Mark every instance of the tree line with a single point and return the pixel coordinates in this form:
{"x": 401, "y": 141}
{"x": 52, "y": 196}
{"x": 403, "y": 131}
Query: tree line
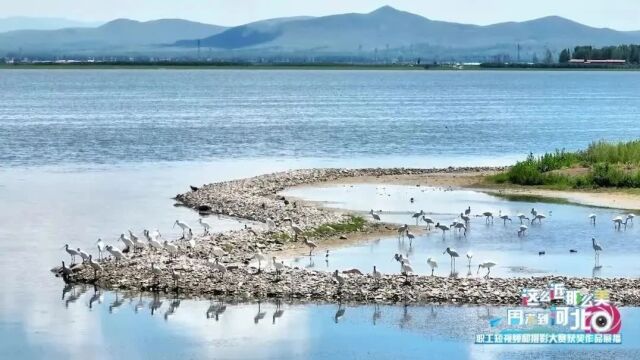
{"x": 630, "y": 53}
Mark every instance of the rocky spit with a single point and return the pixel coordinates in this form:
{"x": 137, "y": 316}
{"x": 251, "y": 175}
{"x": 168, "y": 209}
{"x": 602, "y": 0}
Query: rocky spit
{"x": 191, "y": 272}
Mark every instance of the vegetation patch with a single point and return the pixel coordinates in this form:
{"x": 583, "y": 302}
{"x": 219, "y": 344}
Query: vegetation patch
{"x": 353, "y": 224}
{"x": 602, "y": 164}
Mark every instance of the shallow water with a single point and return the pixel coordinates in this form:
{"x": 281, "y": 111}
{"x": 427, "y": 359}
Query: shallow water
{"x": 566, "y": 227}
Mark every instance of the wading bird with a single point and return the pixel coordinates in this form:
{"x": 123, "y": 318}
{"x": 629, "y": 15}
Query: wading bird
{"x": 417, "y": 216}
{"x": 402, "y": 230}
{"x": 596, "y": 249}
{"x": 205, "y": 226}
{"x": 279, "y": 266}
{"x": 338, "y": 278}
{"x": 95, "y": 266}
{"x": 433, "y": 264}
{"x": 260, "y": 257}
{"x": 592, "y": 218}
{"x": 128, "y": 243}
{"x": 296, "y": 229}
{"x": 376, "y": 274}
{"x": 410, "y": 236}
{"x": 172, "y": 249}
{"x": 183, "y": 225}
{"x": 522, "y": 216}
{"x": 469, "y": 256}
{"x": 539, "y": 217}
{"x": 374, "y": 216}
{"x": 617, "y": 222}
{"x": 465, "y": 218}
{"x": 443, "y": 228}
{"x": 504, "y": 218}
{"x": 428, "y": 221}
{"x": 487, "y": 265}
{"x": 468, "y": 211}
{"x": 400, "y": 258}
{"x": 453, "y": 254}
{"x": 83, "y": 255}
{"x": 100, "y": 246}
{"x": 215, "y": 265}
{"x": 522, "y": 229}
{"x": 73, "y": 253}
{"x": 630, "y": 216}
{"x": 310, "y": 244}
{"x": 115, "y": 252}
{"x": 488, "y": 215}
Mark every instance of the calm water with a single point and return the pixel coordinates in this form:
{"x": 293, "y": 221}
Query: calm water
{"x": 87, "y": 154}
{"x": 566, "y": 227}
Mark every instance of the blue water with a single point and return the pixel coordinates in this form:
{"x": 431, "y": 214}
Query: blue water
{"x": 114, "y": 116}
{"x": 87, "y": 154}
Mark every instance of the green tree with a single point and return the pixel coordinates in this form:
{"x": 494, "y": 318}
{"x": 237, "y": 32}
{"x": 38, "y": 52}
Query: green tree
{"x": 565, "y": 56}
{"x": 548, "y": 57}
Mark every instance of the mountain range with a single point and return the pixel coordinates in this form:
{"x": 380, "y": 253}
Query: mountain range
{"x": 383, "y": 32}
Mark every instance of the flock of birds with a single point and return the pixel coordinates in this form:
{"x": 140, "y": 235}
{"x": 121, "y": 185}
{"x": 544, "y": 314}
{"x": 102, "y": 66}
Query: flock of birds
{"x": 461, "y": 225}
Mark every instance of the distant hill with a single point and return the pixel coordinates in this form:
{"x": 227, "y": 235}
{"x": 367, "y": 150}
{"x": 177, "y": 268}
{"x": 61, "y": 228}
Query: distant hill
{"x": 36, "y": 23}
{"x": 388, "y": 28}
{"x": 385, "y": 32}
{"x": 116, "y": 35}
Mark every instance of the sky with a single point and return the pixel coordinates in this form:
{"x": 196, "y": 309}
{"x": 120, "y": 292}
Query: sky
{"x": 616, "y": 14}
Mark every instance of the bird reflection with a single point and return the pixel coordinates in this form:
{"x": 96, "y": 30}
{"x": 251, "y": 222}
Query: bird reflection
{"x": 597, "y": 270}
{"x": 97, "y": 296}
{"x": 469, "y": 274}
{"x": 339, "y": 314}
{"x": 139, "y": 305}
{"x": 155, "y": 304}
{"x": 115, "y": 304}
{"x": 66, "y": 289}
{"x": 376, "y": 314}
{"x": 278, "y": 313}
{"x": 453, "y": 274}
{"x": 260, "y": 315}
{"x": 173, "y": 305}
{"x": 75, "y": 295}
{"x": 215, "y": 310}
{"x": 404, "y": 320}
{"x": 433, "y": 312}
{"x": 311, "y": 264}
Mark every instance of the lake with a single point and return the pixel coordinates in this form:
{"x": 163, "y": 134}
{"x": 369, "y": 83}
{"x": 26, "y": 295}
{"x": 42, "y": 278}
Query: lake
{"x": 92, "y": 153}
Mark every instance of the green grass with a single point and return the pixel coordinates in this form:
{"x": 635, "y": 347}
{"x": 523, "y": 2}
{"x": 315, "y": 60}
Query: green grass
{"x": 353, "y": 224}
{"x": 608, "y": 165}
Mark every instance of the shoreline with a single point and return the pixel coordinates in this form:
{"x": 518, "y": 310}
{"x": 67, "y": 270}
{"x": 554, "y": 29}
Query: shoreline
{"x": 257, "y": 199}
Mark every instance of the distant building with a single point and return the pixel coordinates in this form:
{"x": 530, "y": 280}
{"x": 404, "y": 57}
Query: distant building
{"x": 597, "y": 62}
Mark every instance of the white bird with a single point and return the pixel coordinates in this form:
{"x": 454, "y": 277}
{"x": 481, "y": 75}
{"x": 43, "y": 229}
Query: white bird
{"x": 488, "y": 215}
{"x": 376, "y": 274}
{"x": 417, "y": 216}
{"x": 443, "y": 228}
{"x": 406, "y": 270}
{"x": 617, "y": 222}
{"x": 339, "y": 278}
{"x": 522, "y": 229}
{"x": 175, "y": 276}
{"x": 630, "y": 216}
{"x": 133, "y": 237}
{"x": 128, "y": 243}
{"x": 191, "y": 242}
{"x": 522, "y": 216}
{"x": 504, "y": 218}
{"x": 487, "y": 265}
{"x": 260, "y": 257}
{"x": 271, "y": 225}
{"x": 205, "y": 225}
{"x": 137, "y": 243}
{"x": 100, "y": 246}
{"x": 215, "y": 265}
{"x": 592, "y": 218}
{"x": 115, "y": 252}
{"x": 171, "y": 248}
{"x": 279, "y": 266}
{"x": 296, "y": 229}
{"x": 428, "y": 221}
{"x": 183, "y": 225}
{"x": 469, "y": 256}
{"x": 71, "y": 252}
{"x": 596, "y": 248}
{"x": 453, "y": 254}
{"x": 539, "y": 217}
{"x": 83, "y": 255}
{"x": 310, "y": 244}
{"x": 96, "y": 267}
{"x": 432, "y": 263}
{"x": 153, "y": 242}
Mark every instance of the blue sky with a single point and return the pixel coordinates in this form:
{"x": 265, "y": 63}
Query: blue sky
{"x": 617, "y": 14}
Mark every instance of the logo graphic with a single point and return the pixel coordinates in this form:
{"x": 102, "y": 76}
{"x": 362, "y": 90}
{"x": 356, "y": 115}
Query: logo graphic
{"x": 557, "y": 315}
